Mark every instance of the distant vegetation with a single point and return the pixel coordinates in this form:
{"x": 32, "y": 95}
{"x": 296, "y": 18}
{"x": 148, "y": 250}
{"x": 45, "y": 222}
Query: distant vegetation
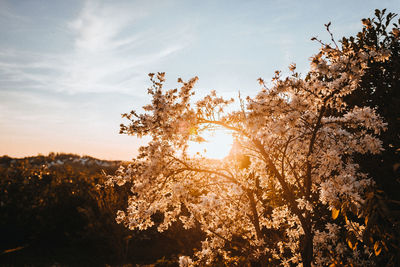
{"x": 53, "y": 210}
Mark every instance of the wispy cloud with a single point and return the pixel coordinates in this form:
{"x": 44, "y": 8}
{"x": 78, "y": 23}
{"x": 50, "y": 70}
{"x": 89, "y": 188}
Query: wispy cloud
{"x": 97, "y": 27}
{"x": 111, "y": 50}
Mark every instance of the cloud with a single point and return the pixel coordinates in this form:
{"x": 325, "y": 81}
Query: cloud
{"x": 98, "y": 26}
{"x": 112, "y": 47}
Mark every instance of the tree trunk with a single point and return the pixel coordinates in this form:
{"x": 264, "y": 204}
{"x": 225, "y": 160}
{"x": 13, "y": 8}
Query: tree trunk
{"x": 306, "y": 245}
{"x": 256, "y": 223}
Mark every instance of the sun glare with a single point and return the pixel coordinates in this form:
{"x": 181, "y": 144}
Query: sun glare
{"x": 217, "y": 144}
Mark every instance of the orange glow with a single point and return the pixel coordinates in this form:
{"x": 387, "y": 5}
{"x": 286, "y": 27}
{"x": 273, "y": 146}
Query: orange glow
{"x": 118, "y": 147}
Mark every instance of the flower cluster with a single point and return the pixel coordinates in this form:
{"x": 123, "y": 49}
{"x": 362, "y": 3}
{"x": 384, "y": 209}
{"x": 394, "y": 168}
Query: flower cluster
{"x": 298, "y": 138}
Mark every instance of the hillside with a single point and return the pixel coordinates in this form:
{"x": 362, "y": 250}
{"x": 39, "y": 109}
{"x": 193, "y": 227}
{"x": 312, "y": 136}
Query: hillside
{"x": 54, "y": 210}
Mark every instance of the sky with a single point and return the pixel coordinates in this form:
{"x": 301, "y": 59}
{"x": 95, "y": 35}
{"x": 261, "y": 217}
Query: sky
{"x": 69, "y": 69}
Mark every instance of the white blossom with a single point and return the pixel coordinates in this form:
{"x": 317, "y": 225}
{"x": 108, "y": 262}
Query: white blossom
{"x": 299, "y": 137}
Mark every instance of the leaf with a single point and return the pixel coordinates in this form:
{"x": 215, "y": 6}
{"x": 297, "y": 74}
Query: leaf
{"x": 244, "y": 162}
{"x": 352, "y": 240}
{"x": 353, "y": 246}
{"x": 377, "y": 248}
{"x": 335, "y": 213}
{"x": 349, "y": 243}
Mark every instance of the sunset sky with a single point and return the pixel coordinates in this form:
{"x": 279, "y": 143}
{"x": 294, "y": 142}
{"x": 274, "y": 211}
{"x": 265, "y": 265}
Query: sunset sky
{"x": 68, "y": 69}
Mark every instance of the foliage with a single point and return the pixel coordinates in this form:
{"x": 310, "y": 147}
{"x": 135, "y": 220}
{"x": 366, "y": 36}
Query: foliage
{"x": 44, "y": 200}
{"x": 275, "y": 199}
{"x": 53, "y": 211}
{"x": 380, "y": 89}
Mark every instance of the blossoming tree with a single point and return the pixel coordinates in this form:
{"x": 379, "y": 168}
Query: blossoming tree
{"x": 276, "y": 198}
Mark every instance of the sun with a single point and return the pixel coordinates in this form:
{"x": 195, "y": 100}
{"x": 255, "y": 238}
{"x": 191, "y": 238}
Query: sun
{"x": 217, "y": 144}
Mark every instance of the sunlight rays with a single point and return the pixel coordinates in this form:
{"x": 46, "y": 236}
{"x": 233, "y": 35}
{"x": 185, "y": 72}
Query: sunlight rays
{"x": 217, "y": 145}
